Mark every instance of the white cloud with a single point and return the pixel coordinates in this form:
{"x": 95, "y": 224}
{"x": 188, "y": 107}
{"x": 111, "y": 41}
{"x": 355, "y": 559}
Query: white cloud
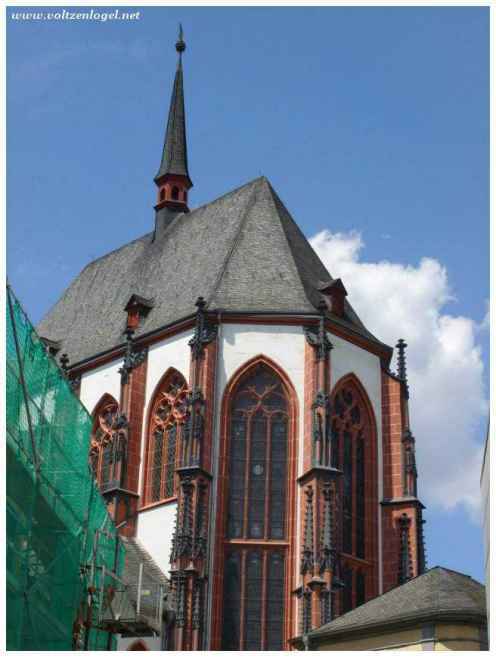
{"x": 445, "y": 368}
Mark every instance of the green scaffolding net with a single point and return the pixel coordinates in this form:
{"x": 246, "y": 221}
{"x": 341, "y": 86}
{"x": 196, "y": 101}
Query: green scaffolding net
{"x": 61, "y": 541}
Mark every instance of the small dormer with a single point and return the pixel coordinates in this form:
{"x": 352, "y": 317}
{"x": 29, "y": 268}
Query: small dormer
{"x": 137, "y": 309}
{"x": 334, "y": 295}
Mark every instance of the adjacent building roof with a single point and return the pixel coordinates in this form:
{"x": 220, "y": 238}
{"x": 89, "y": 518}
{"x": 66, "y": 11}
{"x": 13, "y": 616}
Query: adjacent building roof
{"x": 152, "y": 588}
{"x": 241, "y": 252}
{"x": 438, "y": 594}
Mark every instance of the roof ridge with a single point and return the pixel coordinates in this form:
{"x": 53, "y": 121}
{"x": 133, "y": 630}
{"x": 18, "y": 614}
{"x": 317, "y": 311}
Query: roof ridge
{"x": 363, "y": 617}
{"x": 119, "y": 248}
{"x": 274, "y": 198}
{"x": 150, "y": 233}
{"x": 227, "y": 194}
{"x": 234, "y": 244}
{"x": 353, "y": 317}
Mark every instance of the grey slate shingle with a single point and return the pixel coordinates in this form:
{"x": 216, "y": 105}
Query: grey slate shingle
{"x": 241, "y": 252}
{"x": 438, "y": 593}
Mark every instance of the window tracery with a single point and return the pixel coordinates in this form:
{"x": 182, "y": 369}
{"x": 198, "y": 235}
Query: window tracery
{"x": 168, "y": 415}
{"x": 107, "y": 442}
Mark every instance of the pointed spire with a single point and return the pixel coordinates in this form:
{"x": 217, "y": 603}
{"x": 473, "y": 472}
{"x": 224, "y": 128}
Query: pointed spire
{"x": 173, "y": 178}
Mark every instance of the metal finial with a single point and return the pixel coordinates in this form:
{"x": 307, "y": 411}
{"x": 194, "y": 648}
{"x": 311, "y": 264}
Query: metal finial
{"x": 180, "y": 45}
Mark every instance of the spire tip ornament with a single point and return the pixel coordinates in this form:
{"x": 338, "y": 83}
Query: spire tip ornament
{"x": 180, "y": 44}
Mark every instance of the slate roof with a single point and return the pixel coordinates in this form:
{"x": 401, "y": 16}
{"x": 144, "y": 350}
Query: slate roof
{"x": 437, "y": 594}
{"x": 241, "y": 252}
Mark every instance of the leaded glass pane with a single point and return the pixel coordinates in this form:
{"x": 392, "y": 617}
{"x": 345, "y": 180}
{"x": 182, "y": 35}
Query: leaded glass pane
{"x": 258, "y": 475}
{"x": 156, "y": 471}
{"x": 360, "y": 500}
{"x": 106, "y": 463}
{"x": 360, "y": 588}
{"x": 348, "y": 494}
{"x": 335, "y": 445}
{"x": 275, "y": 602}
{"x": 237, "y": 466}
{"x": 278, "y": 457}
{"x": 232, "y": 603}
{"x": 170, "y": 464}
{"x": 348, "y": 589}
{"x": 253, "y": 602}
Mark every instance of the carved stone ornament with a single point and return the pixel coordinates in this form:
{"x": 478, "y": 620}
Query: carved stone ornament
{"x": 205, "y": 332}
{"x": 132, "y": 358}
{"x": 317, "y": 337}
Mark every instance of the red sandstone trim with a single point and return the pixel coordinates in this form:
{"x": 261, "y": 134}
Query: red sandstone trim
{"x": 384, "y": 353}
{"x": 153, "y": 505}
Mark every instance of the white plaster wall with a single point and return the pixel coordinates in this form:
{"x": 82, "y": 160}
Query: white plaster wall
{"x": 155, "y": 530}
{"x": 104, "y": 379}
{"x": 345, "y": 359}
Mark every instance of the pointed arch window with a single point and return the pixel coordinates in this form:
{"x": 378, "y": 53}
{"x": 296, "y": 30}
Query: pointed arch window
{"x": 255, "y": 540}
{"x": 105, "y": 447}
{"x": 167, "y": 417}
{"x": 353, "y": 438}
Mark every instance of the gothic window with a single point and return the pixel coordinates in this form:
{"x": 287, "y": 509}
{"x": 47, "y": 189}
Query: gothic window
{"x": 354, "y": 454}
{"x": 256, "y": 513}
{"x": 168, "y": 414}
{"x": 175, "y": 193}
{"x": 258, "y": 458}
{"x": 102, "y": 445}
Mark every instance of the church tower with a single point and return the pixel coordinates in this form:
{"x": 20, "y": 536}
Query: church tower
{"x": 249, "y": 431}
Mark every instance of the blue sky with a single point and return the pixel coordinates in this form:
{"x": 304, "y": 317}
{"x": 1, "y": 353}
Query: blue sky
{"x": 366, "y": 119}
